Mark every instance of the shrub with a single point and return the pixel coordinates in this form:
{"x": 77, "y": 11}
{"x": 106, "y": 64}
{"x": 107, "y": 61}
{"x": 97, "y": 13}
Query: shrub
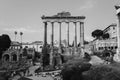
{"x": 72, "y": 70}
{"x": 103, "y": 72}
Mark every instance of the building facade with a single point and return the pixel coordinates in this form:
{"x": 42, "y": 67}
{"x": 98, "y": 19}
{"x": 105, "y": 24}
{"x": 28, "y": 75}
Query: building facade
{"x": 14, "y": 53}
{"x": 112, "y": 30}
{"x": 37, "y": 45}
{"x": 99, "y": 45}
{"x": 17, "y": 51}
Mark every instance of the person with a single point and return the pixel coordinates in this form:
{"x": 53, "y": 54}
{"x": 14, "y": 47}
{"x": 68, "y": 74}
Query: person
{"x": 87, "y": 56}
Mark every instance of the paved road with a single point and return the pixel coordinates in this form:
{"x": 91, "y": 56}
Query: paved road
{"x": 38, "y": 77}
{"x": 95, "y": 60}
{"x": 32, "y": 69}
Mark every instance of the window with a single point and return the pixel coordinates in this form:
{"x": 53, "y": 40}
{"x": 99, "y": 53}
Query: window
{"x": 115, "y": 47}
{"x": 100, "y": 48}
{"x": 111, "y": 47}
{"x": 113, "y": 28}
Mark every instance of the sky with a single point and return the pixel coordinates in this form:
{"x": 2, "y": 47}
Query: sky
{"x": 25, "y": 16}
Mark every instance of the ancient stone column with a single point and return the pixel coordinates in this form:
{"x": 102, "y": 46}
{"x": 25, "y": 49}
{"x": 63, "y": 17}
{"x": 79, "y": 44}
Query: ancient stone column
{"x": 67, "y": 48}
{"x": 44, "y": 49}
{"x": 52, "y": 44}
{"x": 117, "y": 56}
{"x": 45, "y": 33}
{"x": 60, "y": 37}
{"x": 75, "y": 34}
{"x": 75, "y": 41}
{"x": 68, "y": 34}
{"x": 82, "y": 38}
{"x": 52, "y": 36}
{"x": 80, "y": 34}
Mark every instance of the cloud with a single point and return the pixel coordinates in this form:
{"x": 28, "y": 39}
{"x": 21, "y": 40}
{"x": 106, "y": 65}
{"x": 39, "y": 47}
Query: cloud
{"x": 4, "y": 24}
{"x": 21, "y": 29}
{"x": 89, "y": 4}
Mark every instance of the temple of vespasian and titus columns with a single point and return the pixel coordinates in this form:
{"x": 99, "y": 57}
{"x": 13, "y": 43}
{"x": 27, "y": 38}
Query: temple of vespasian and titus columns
{"x": 67, "y": 18}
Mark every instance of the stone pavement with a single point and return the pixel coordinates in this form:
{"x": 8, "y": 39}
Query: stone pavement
{"x": 32, "y": 69}
{"x": 37, "y": 77}
{"x": 40, "y": 77}
{"x": 95, "y": 60}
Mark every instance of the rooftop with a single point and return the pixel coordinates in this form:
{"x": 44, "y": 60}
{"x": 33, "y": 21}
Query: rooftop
{"x": 63, "y": 17}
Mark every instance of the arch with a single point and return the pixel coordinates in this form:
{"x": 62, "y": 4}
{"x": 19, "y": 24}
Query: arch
{"x": 6, "y": 57}
{"x": 14, "y": 57}
{"x": 107, "y": 53}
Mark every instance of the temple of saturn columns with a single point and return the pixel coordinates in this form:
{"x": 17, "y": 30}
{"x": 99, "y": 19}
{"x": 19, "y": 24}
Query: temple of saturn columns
{"x": 65, "y": 17}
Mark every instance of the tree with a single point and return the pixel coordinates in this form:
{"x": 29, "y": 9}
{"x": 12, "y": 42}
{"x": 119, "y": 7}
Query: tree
{"x": 106, "y": 36}
{"x": 97, "y": 33}
{"x": 15, "y": 34}
{"x": 103, "y": 72}
{"x": 21, "y": 33}
{"x": 5, "y": 43}
{"x": 73, "y": 69}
